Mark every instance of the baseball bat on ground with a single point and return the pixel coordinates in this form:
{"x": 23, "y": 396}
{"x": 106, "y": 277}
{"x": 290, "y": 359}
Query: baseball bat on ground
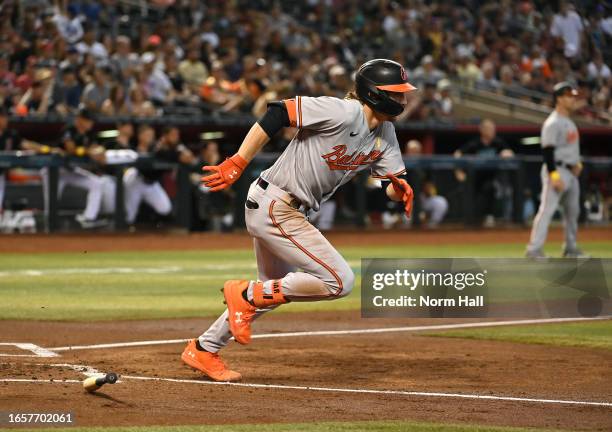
{"x": 92, "y": 384}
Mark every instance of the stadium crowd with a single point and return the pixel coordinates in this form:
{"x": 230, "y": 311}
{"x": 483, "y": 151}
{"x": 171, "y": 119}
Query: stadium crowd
{"x": 188, "y": 56}
{"x": 133, "y": 60}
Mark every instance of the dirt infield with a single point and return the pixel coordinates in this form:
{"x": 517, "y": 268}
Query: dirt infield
{"x": 346, "y": 377}
{"x": 154, "y": 241}
{"x": 387, "y": 361}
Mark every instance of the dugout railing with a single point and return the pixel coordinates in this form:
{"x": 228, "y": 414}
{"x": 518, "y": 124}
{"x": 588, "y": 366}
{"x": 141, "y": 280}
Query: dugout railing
{"x": 521, "y": 172}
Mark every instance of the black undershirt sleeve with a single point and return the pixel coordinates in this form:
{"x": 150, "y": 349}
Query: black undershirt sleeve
{"x": 275, "y": 118}
{"x": 549, "y": 158}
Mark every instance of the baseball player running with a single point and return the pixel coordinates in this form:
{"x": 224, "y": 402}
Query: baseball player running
{"x": 560, "y": 172}
{"x": 337, "y": 138}
{"x": 79, "y": 140}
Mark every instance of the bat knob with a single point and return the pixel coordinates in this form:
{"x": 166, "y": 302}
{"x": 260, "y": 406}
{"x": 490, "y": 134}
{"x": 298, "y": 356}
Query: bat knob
{"x": 111, "y": 378}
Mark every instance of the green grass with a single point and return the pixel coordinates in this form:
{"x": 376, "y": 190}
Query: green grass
{"x": 382, "y": 426}
{"x": 597, "y": 334}
{"x": 189, "y": 289}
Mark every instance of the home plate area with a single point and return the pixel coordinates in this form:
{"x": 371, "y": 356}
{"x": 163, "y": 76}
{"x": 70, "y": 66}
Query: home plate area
{"x": 317, "y": 375}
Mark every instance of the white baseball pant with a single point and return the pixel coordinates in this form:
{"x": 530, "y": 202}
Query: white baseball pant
{"x": 569, "y": 199}
{"x": 80, "y": 178}
{"x": 137, "y": 190}
{"x": 435, "y": 207}
{"x": 284, "y": 241}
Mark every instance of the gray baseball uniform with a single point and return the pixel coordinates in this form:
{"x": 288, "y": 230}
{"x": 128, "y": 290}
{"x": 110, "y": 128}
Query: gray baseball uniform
{"x": 561, "y": 133}
{"x": 333, "y": 144}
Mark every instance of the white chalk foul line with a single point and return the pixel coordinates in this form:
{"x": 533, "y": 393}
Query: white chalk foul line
{"x": 89, "y": 371}
{"x": 52, "y": 381}
{"x": 35, "y": 349}
{"x": 334, "y": 390}
{"x": 378, "y": 392}
{"x": 93, "y": 270}
{"x": 342, "y": 332}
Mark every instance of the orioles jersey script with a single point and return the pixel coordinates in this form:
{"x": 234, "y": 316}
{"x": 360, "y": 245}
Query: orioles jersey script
{"x": 332, "y": 145}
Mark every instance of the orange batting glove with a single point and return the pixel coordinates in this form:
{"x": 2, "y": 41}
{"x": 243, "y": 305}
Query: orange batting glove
{"x": 224, "y": 174}
{"x": 401, "y": 187}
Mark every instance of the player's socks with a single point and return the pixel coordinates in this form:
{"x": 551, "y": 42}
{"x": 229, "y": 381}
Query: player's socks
{"x": 198, "y": 346}
{"x": 245, "y": 296}
{"x": 275, "y": 296}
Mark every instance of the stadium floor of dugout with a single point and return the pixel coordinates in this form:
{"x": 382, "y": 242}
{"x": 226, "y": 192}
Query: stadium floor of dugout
{"x": 391, "y": 375}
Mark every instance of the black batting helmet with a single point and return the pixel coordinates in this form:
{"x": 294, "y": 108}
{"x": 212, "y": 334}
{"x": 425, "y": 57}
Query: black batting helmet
{"x": 377, "y": 77}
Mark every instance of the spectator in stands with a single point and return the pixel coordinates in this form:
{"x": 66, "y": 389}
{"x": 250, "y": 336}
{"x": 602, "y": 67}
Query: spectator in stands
{"x": 480, "y": 45}
{"x": 536, "y": 62}
{"x": 67, "y": 92}
{"x": 71, "y": 59}
{"x": 219, "y": 91}
{"x": 427, "y": 71}
{"x": 117, "y": 102}
{"x": 171, "y": 68}
{"x": 68, "y": 23}
{"x": 467, "y": 70}
{"x": 27, "y": 77}
{"x": 488, "y": 144}
{"x": 598, "y": 71}
{"x": 509, "y": 86}
{"x": 192, "y": 70}
{"x": 89, "y": 45}
{"x": 567, "y": 26}
{"x": 97, "y": 91}
{"x": 443, "y": 96}
{"x": 6, "y": 95}
{"x": 487, "y": 81}
{"x": 429, "y": 107}
{"x": 123, "y": 60}
{"x": 37, "y": 100}
{"x": 138, "y": 105}
{"x": 157, "y": 85}
{"x": 6, "y": 75}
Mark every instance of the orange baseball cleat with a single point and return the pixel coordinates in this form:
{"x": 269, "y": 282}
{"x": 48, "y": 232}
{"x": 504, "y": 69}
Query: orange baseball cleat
{"x": 241, "y": 312}
{"x": 208, "y": 363}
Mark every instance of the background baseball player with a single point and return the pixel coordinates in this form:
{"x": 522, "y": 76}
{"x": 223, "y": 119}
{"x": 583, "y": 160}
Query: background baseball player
{"x": 560, "y": 172}
{"x": 78, "y": 140}
{"x": 336, "y": 139}
{"x": 144, "y": 184}
{"x": 10, "y": 140}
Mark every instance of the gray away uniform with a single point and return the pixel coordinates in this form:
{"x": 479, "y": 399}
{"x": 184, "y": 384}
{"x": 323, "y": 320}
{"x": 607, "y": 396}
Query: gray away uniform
{"x": 561, "y": 133}
{"x": 333, "y": 144}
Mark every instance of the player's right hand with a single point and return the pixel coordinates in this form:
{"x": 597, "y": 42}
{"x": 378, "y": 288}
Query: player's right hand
{"x": 224, "y": 174}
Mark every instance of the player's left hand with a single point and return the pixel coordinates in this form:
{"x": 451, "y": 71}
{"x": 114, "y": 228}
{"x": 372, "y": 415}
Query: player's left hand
{"x": 577, "y": 169}
{"x": 402, "y": 188}
{"x": 224, "y": 174}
